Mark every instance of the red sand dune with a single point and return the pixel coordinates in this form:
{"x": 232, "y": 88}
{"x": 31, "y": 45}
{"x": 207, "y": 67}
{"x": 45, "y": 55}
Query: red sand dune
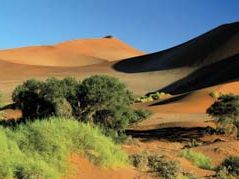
{"x": 198, "y": 101}
{"x": 71, "y": 53}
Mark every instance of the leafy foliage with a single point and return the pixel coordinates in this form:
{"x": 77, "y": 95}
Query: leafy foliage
{"x": 101, "y": 92}
{"x": 105, "y": 101}
{"x": 38, "y": 99}
{"x": 99, "y": 99}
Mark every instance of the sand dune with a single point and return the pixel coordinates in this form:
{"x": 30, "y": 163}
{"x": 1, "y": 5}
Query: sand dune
{"x": 213, "y": 46}
{"x": 71, "y": 53}
{"x": 197, "y": 101}
{"x": 208, "y": 60}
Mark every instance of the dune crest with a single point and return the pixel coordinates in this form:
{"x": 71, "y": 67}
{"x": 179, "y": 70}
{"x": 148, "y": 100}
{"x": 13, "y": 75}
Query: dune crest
{"x": 71, "y": 53}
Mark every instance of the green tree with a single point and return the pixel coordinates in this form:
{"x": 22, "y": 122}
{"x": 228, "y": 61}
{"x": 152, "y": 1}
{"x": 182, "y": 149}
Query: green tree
{"x": 101, "y": 92}
{"x": 38, "y": 99}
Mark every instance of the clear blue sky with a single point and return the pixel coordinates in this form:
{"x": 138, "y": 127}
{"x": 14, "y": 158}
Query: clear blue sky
{"x": 149, "y": 25}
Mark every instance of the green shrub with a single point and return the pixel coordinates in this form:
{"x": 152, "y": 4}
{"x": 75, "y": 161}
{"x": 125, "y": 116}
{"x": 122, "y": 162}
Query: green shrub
{"x": 161, "y": 164}
{"x": 101, "y": 92}
{"x": 226, "y": 112}
{"x": 166, "y": 168}
{"x": 150, "y": 97}
{"x": 38, "y": 99}
{"x": 226, "y": 106}
{"x": 197, "y": 159}
{"x": 230, "y": 165}
{"x": 105, "y": 101}
{"x": 40, "y": 149}
{"x": 223, "y": 173}
{"x": 215, "y": 94}
{"x": 140, "y": 161}
{"x": 139, "y": 115}
{"x": 186, "y": 175}
{"x": 193, "y": 143}
{"x": 63, "y": 108}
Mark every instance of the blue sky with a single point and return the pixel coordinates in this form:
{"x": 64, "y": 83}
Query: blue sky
{"x": 149, "y": 25}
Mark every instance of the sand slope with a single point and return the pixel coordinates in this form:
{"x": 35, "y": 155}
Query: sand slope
{"x": 195, "y": 102}
{"x": 213, "y": 46}
{"x": 71, "y": 53}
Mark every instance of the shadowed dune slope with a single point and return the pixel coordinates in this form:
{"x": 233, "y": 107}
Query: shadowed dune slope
{"x": 213, "y": 46}
{"x": 213, "y": 74}
{"x": 71, "y": 53}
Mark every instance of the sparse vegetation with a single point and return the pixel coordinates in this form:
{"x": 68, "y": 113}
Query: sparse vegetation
{"x": 193, "y": 143}
{"x": 197, "y": 158}
{"x": 40, "y": 149}
{"x": 151, "y": 97}
{"x": 215, "y": 94}
{"x": 229, "y": 167}
{"x": 140, "y": 161}
{"x": 140, "y": 115}
{"x": 166, "y": 168}
{"x": 160, "y": 164}
{"x": 186, "y": 175}
{"x": 226, "y": 112}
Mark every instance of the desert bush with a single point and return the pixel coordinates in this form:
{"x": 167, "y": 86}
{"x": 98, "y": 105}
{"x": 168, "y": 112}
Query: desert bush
{"x": 104, "y": 100}
{"x": 151, "y": 97}
{"x": 186, "y": 175}
{"x": 63, "y": 108}
{"x": 161, "y": 164}
{"x": 139, "y": 115}
{"x": 38, "y": 99}
{"x": 197, "y": 158}
{"x": 140, "y": 161}
{"x": 166, "y": 168}
{"x": 230, "y": 166}
{"x": 28, "y": 97}
{"x": 193, "y": 143}
{"x": 101, "y": 92}
{"x": 215, "y": 94}
{"x": 226, "y": 106}
{"x": 114, "y": 121}
{"x": 40, "y": 149}
{"x": 223, "y": 173}
{"x": 226, "y": 112}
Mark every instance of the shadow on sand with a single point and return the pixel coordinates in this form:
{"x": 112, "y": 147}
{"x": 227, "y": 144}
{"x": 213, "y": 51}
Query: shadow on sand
{"x": 173, "y": 134}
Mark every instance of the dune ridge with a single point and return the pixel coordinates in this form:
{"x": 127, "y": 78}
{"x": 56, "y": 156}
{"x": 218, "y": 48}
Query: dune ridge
{"x": 71, "y": 53}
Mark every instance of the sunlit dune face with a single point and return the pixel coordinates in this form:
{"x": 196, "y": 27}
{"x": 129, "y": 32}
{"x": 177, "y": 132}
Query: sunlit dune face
{"x": 71, "y": 53}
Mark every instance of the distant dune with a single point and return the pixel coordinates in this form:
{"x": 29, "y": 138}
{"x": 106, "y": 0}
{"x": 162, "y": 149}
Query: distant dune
{"x": 71, "y": 53}
{"x": 213, "y": 46}
{"x": 210, "y": 59}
